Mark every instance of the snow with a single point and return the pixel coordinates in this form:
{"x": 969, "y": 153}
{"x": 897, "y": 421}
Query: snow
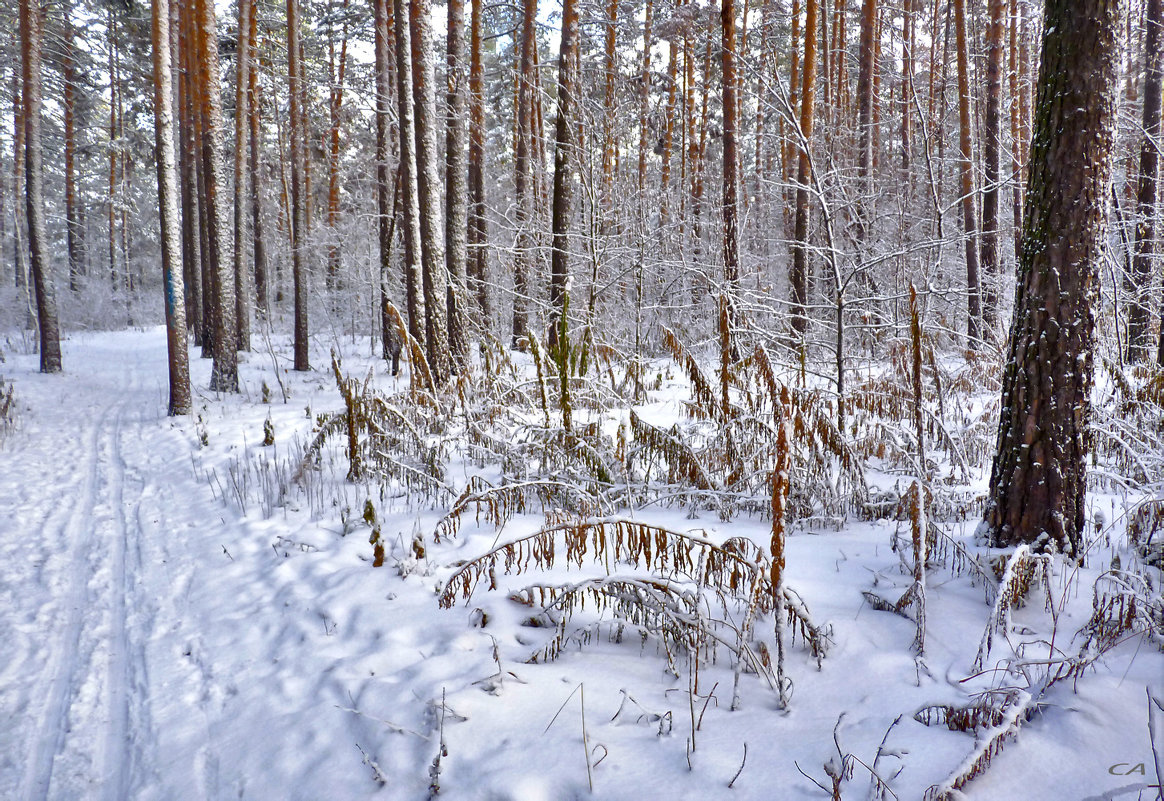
{"x": 159, "y": 642}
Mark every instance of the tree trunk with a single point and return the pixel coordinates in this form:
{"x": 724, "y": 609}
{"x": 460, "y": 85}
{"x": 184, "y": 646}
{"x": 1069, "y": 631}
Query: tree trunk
{"x": 72, "y": 210}
{"x": 187, "y": 165}
{"x": 456, "y": 182}
{"x": 168, "y": 213}
{"x": 254, "y": 139}
{"x": 1016, "y": 137}
{"x": 31, "y": 27}
{"x": 299, "y": 190}
{"x": 523, "y": 178}
{"x": 563, "y": 179}
{"x": 1138, "y": 309}
{"x": 478, "y": 230}
{"x": 242, "y": 310}
{"x": 731, "y": 157}
{"x": 410, "y": 197}
{"x": 966, "y": 171}
{"x": 865, "y": 92}
{"x": 798, "y": 275}
{"x": 644, "y": 98}
{"x": 386, "y": 193}
{"x": 991, "y": 152}
{"x": 1038, "y": 479}
{"x": 336, "y": 69}
{"x": 224, "y": 373}
{"x": 434, "y": 274}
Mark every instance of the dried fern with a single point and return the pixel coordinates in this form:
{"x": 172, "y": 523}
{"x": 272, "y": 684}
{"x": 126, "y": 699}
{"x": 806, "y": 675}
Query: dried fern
{"x": 1023, "y": 569}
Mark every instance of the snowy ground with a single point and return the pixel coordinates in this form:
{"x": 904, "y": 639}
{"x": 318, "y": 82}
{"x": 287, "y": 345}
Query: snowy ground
{"x": 159, "y": 642}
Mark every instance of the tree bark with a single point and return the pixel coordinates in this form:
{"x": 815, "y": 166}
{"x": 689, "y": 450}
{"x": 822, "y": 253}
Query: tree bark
{"x": 523, "y": 178}
{"x": 1038, "y": 479}
{"x": 337, "y": 69}
{"x": 242, "y": 312}
{"x": 72, "y": 210}
{"x": 414, "y": 298}
{"x": 179, "y": 368}
{"x": 865, "y": 92}
{"x": 478, "y": 230}
{"x": 434, "y": 274}
{"x": 299, "y": 189}
{"x": 991, "y": 157}
{"x": 254, "y": 139}
{"x": 456, "y": 182}
{"x": 386, "y": 193}
{"x": 224, "y": 372}
{"x": 1145, "y": 248}
{"x": 966, "y": 173}
{"x": 798, "y": 275}
{"x": 731, "y": 157}
{"x": 31, "y": 28}
{"x": 563, "y": 180}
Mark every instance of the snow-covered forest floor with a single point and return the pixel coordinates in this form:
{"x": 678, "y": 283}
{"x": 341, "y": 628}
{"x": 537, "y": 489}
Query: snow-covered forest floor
{"x": 187, "y": 613}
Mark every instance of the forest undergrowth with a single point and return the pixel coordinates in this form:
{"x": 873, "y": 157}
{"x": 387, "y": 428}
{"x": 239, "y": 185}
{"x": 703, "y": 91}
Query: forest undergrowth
{"x": 648, "y": 505}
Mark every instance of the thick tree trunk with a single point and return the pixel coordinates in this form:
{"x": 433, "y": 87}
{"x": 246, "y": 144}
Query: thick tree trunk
{"x": 1038, "y": 480}
{"x": 966, "y": 185}
{"x": 456, "y": 182}
{"x": 798, "y": 274}
{"x": 168, "y": 212}
{"x": 432, "y": 235}
{"x": 300, "y": 192}
{"x": 1141, "y": 278}
{"x": 31, "y": 27}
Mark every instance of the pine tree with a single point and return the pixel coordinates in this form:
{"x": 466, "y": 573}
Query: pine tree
{"x": 1038, "y": 479}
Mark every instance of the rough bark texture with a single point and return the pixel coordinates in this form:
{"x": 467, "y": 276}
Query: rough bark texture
{"x": 563, "y": 179}
{"x": 456, "y": 180}
{"x": 31, "y": 23}
{"x": 798, "y": 275}
{"x": 1039, "y": 475}
{"x": 966, "y": 173}
{"x": 432, "y": 235}
{"x": 1138, "y": 310}
{"x": 168, "y": 212}
{"x": 299, "y": 193}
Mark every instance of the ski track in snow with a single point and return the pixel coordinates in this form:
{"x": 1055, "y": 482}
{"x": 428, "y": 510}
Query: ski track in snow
{"x": 95, "y": 530}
